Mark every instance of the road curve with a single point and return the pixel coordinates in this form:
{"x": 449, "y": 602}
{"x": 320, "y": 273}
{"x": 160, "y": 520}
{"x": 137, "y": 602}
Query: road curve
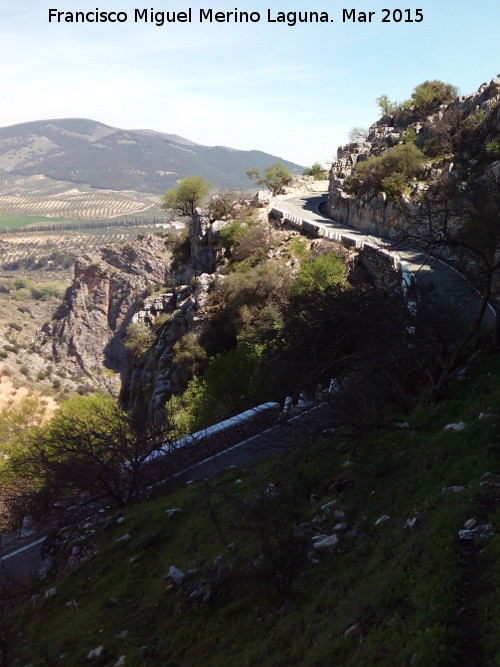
{"x": 446, "y": 284}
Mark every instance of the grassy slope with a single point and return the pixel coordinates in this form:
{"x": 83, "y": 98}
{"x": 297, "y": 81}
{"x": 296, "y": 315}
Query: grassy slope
{"x": 408, "y": 596}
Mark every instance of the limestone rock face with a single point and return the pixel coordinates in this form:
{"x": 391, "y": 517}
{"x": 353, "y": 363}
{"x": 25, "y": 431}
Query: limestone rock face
{"x": 148, "y": 383}
{"x": 86, "y": 334}
{"x": 203, "y": 238}
{"x": 373, "y": 212}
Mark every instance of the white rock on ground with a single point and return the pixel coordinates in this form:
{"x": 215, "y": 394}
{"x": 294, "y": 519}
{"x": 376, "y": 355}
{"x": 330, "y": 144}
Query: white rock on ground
{"x": 458, "y": 426}
{"x": 326, "y": 543}
{"x": 176, "y": 575}
{"x": 477, "y": 533}
{"x": 95, "y": 653}
{"x": 382, "y": 519}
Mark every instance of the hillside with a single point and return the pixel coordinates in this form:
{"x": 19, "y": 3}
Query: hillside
{"x": 89, "y": 153}
{"x": 374, "y": 540}
{"x": 399, "y": 587}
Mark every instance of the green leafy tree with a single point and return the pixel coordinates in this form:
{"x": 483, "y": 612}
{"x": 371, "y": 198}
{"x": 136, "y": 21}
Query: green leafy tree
{"x": 316, "y": 171}
{"x": 89, "y": 451}
{"x": 189, "y": 194}
{"x": 274, "y": 177}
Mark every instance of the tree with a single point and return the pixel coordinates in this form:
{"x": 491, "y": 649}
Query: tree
{"x": 222, "y": 204}
{"x": 316, "y": 171}
{"x": 358, "y": 134}
{"x": 189, "y": 194}
{"x": 274, "y": 177}
{"x": 89, "y": 452}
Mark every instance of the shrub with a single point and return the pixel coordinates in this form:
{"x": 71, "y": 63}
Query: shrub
{"x": 139, "y": 339}
{"x": 393, "y": 186}
{"x": 228, "y": 236}
{"x": 398, "y": 164}
{"x": 189, "y": 356}
{"x": 319, "y": 275}
{"x": 387, "y": 107}
{"x": 493, "y": 150}
{"x": 430, "y": 94}
{"x": 236, "y": 304}
{"x": 473, "y": 122}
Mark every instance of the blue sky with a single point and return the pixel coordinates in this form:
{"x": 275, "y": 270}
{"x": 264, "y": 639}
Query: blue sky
{"x": 291, "y": 91}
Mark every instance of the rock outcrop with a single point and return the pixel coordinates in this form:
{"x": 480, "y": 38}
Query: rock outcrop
{"x": 87, "y": 332}
{"x": 149, "y": 381}
{"x": 374, "y": 212}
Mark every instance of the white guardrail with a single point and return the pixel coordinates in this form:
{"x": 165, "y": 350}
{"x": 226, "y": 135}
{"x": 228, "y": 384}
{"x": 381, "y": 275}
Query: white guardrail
{"x": 350, "y": 240}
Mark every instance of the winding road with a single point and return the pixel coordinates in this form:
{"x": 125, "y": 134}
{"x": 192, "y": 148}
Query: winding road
{"x": 20, "y": 557}
{"x": 447, "y": 286}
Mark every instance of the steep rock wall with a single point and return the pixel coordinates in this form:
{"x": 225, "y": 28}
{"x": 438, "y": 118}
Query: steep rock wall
{"x": 86, "y": 333}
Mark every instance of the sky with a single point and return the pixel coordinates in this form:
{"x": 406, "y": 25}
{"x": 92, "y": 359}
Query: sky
{"x": 293, "y": 91}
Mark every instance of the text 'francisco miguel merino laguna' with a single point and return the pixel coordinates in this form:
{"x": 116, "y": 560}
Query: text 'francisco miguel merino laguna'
{"x": 160, "y": 18}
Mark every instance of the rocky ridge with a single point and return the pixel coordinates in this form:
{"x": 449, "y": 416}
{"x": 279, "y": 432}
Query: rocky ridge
{"x": 375, "y": 212}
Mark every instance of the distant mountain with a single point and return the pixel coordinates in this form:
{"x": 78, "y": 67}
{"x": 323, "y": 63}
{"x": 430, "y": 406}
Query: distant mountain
{"x": 87, "y": 152}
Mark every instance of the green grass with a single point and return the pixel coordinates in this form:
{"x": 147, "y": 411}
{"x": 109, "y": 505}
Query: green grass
{"x": 8, "y": 221}
{"x": 400, "y": 591}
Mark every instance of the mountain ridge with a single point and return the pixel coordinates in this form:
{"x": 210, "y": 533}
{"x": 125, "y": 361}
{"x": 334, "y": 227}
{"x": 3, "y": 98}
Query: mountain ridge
{"x": 89, "y": 152}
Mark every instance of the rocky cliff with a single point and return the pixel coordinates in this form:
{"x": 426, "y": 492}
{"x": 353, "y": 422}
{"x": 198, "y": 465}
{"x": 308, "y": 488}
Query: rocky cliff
{"x": 87, "y": 332}
{"x": 464, "y": 127}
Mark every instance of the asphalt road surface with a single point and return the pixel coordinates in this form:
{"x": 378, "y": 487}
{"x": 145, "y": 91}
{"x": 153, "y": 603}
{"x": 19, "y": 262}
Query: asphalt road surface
{"x": 447, "y": 287}
{"x": 20, "y": 558}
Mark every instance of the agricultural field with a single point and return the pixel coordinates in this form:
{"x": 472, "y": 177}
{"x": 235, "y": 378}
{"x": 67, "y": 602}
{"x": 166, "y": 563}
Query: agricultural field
{"x": 43, "y": 198}
{"x": 15, "y": 221}
{"x": 50, "y": 255}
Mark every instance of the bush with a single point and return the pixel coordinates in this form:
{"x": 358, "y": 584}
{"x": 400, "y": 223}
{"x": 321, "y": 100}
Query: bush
{"x": 493, "y": 151}
{"x": 228, "y": 236}
{"x": 395, "y": 167}
{"x": 387, "y": 107}
{"x": 189, "y": 356}
{"x": 237, "y": 304}
{"x": 319, "y": 275}
{"x": 431, "y": 94}
{"x": 233, "y": 382}
{"x": 139, "y": 339}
